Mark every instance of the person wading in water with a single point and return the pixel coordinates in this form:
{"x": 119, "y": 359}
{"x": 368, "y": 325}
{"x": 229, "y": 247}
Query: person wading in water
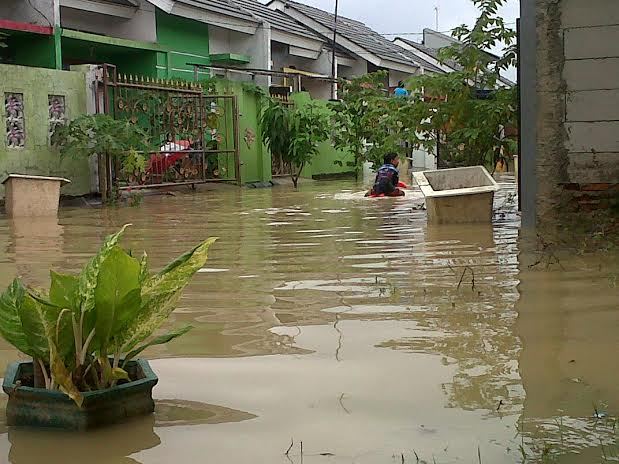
{"x": 387, "y": 181}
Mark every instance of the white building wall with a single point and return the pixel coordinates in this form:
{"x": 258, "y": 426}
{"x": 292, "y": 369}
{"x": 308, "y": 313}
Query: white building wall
{"x": 318, "y": 89}
{"x": 24, "y": 12}
{"x": 591, "y": 50}
{"x": 397, "y": 76}
{"x": 141, "y": 26}
{"x": 358, "y": 68}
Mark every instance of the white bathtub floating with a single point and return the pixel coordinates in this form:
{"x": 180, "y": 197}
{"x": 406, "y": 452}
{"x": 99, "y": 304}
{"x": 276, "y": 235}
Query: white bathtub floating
{"x": 459, "y": 195}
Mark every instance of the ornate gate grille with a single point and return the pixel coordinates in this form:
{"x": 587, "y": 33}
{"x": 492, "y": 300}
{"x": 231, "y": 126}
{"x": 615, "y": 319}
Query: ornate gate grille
{"x": 195, "y": 135}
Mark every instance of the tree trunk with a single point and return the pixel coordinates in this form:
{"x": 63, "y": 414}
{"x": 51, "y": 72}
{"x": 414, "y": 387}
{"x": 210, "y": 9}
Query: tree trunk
{"x": 295, "y": 177}
{"x": 102, "y": 171}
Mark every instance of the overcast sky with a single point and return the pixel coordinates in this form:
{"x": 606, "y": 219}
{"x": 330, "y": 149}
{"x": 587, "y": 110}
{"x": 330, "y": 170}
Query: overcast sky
{"x": 397, "y": 16}
{"x": 408, "y": 18}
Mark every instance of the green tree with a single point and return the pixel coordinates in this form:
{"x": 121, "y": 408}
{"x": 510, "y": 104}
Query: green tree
{"x": 361, "y": 119}
{"x": 467, "y": 110}
{"x": 294, "y": 133}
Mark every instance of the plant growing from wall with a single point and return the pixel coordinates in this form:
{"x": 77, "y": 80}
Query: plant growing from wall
{"x": 294, "y": 133}
{"x": 102, "y": 135}
{"x": 83, "y": 332}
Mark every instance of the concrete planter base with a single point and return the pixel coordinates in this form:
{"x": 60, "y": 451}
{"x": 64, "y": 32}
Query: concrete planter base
{"x": 27, "y": 196}
{"x": 37, "y": 407}
{"x": 458, "y": 196}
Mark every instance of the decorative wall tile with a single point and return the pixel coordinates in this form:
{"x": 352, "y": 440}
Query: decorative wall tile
{"x": 14, "y": 118}
{"x": 57, "y": 113}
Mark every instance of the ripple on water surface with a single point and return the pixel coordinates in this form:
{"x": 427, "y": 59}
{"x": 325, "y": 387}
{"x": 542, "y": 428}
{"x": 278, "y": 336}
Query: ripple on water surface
{"x": 348, "y": 324}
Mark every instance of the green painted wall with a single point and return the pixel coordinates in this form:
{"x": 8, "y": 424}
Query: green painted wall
{"x": 187, "y": 41}
{"x": 37, "y": 157}
{"x": 324, "y": 164}
{"x": 127, "y": 60}
{"x": 29, "y": 50}
{"x": 255, "y": 158}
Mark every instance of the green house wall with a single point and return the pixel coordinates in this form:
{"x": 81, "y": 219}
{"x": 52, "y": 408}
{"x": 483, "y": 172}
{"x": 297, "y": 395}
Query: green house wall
{"x": 26, "y": 49}
{"x": 329, "y": 161}
{"x": 38, "y": 157}
{"x": 187, "y": 42}
{"x": 255, "y": 158}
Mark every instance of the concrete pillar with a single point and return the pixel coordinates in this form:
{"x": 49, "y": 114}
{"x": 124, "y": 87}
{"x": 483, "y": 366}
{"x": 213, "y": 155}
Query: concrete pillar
{"x": 528, "y": 96}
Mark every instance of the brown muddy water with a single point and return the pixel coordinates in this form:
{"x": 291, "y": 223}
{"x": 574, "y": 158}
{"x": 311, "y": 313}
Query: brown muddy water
{"x": 347, "y": 324}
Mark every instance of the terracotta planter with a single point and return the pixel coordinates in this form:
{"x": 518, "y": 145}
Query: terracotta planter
{"x": 36, "y": 407}
{"x": 28, "y": 196}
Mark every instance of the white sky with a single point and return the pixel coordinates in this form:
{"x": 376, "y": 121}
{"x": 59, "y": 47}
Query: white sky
{"x": 397, "y": 16}
{"x": 412, "y": 16}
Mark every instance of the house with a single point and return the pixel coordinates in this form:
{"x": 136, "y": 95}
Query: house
{"x": 359, "y": 49}
{"x": 570, "y": 108}
{"x": 429, "y": 50}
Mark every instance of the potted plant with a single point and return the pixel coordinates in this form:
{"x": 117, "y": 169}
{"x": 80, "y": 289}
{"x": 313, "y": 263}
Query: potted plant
{"x": 84, "y": 337}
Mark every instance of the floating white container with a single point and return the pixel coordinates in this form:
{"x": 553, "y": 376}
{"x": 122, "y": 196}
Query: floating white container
{"x": 459, "y": 195}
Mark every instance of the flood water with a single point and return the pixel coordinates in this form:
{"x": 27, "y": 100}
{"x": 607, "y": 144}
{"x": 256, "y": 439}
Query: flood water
{"x": 348, "y": 325}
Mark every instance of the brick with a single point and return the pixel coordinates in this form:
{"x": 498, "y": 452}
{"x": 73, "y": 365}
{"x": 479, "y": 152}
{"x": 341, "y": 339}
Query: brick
{"x": 593, "y": 105}
{"x": 579, "y": 13}
{"x": 591, "y": 74}
{"x": 593, "y": 137}
{"x": 595, "y": 187}
{"x": 592, "y": 42}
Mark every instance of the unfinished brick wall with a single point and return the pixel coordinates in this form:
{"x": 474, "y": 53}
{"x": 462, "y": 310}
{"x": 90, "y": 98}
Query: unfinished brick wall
{"x": 578, "y": 105}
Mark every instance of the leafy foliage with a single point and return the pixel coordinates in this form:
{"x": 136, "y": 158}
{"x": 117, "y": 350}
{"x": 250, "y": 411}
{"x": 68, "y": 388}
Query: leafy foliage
{"x": 465, "y": 110}
{"x": 101, "y": 134}
{"x": 362, "y": 121}
{"x": 294, "y": 133}
{"x": 87, "y": 323}
{"x": 469, "y": 108}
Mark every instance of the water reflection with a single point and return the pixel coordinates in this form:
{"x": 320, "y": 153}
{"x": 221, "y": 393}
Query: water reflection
{"x": 108, "y": 445}
{"x": 567, "y": 324}
{"x": 35, "y": 246}
{"x": 349, "y": 324}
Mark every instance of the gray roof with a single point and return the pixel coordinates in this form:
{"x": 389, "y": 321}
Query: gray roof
{"x": 434, "y": 53}
{"x": 356, "y": 32}
{"x": 221, "y": 6}
{"x": 276, "y": 19}
{"x": 424, "y": 63}
{"x": 121, "y": 2}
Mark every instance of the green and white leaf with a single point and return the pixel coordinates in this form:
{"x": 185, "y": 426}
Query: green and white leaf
{"x": 63, "y": 290}
{"x": 117, "y": 295}
{"x": 161, "y": 340}
{"x": 10, "y": 323}
{"x": 161, "y": 292}
{"x": 144, "y": 274}
{"x": 89, "y": 276}
{"x": 42, "y": 325}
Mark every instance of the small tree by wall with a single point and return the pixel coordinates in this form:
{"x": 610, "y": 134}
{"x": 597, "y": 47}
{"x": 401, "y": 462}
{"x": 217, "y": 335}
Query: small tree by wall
{"x": 102, "y": 135}
{"x": 361, "y": 119}
{"x": 294, "y": 133}
{"x": 465, "y": 111}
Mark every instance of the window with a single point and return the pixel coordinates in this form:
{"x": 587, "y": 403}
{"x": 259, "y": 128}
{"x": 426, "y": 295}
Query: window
{"x": 14, "y": 114}
{"x": 57, "y": 116}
